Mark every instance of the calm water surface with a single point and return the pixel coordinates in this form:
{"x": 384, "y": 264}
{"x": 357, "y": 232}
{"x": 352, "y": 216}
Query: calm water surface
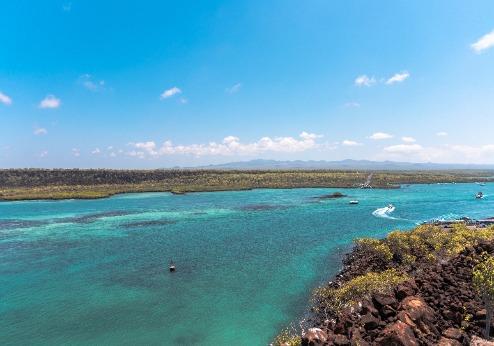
{"x": 95, "y": 271}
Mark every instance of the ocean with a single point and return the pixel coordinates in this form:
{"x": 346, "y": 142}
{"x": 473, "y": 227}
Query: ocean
{"x": 85, "y": 272}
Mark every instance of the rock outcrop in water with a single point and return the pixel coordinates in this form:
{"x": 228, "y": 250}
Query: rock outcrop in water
{"x": 435, "y": 305}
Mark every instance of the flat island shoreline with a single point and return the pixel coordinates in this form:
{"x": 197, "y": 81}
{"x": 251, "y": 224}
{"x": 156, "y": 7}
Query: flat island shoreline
{"x": 59, "y": 184}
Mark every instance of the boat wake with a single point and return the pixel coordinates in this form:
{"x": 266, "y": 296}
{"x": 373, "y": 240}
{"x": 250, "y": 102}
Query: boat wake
{"x": 385, "y": 212}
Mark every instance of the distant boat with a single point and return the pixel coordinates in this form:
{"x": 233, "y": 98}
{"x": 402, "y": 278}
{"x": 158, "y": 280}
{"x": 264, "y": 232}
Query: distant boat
{"x": 480, "y": 184}
{"x": 172, "y": 267}
{"x": 479, "y": 195}
{"x": 353, "y": 202}
{"x": 390, "y": 208}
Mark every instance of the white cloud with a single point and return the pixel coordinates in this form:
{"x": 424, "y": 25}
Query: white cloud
{"x": 407, "y": 139}
{"x": 475, "y": 153}
{"x": 403, "y": 149}
{"x": 6, "y": 100}
{"x": 96, "y": 151}
{"x": 230, "y": 145}
{"x": 365, "y": 80}
{"x": 442, "y": 134}
{"x": 67, "y": 7}
{"x": 39, "y": 131}
{"x": 380, "y": 135}
{"x": 88, "y": 82}
{"x": 170, "y": 92}
{"x": 483, "y": 43}
{"x": 349, "y": 143}
{"x": 50, "y": 101}
{"x": 398, "y": 77}
{"x": 44, "y": 153}
{"x": 234, "y": 89}
{"x": 351, "y": 104}
{"x": 76, "y": 152}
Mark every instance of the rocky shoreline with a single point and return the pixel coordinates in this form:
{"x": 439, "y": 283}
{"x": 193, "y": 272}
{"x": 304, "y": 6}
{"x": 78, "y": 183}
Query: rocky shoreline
{"x": 435, "y": 305}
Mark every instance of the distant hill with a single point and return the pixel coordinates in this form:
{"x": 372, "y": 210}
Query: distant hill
{"x": 343, "y": 165}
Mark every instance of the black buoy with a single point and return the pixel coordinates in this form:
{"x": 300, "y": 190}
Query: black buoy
{"x": 172, "y": 267}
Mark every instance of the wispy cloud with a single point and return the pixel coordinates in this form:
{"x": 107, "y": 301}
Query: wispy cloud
{"x": 170, "y": 92}
{"x": 483, "y": 43}
{"x": 40, "y": 131}
{"x": 230, "y": 145}
{"x": 50, "y": 101}
{"x": 88, "y": 82}
{"x": 44, "y": 153}
{"x": 441, "y": 134}
{"x": 475, "y": 152}
{"x": 365, "y": 80}
{"x": 351, "y": 104}
{"x": 349, "y": 143}
{"x": 408, "y": 139}
{"x": 96, "y": 151}
{"x": 403, "y": 148}
{"x": 67, "y": 7}
{"x": 234, "y": 88}
{"x": 76, "y": 152}
{"x": 380, "y": 136}
{"x": 6, "y": 100}
{"x": 398, "y": 78}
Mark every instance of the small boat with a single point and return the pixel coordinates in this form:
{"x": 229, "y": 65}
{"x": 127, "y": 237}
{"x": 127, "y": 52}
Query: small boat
{"x": 353, "y": 202}
{"x": 172, "y": 267}
{"x": 390, "y": 208}
{"x": 479, "y": 195}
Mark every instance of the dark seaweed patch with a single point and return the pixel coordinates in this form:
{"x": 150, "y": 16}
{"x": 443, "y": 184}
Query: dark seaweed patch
{"x": 12, "y": 224}
{"x": 148, "y": 223}
{"x": 89, "y": 218}
{"x": 261, "y": 207}
{"x": 334, "y": 195}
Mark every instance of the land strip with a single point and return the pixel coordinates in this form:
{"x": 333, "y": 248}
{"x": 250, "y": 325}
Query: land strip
{"x": 27, "y": 184}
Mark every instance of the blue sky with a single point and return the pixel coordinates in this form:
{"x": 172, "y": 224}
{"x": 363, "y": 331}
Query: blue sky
{"x": 163, "y": 83}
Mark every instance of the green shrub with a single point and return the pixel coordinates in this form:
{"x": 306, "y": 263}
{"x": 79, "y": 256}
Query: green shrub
{"x": 431, "y": 242}
{"x": 334, "y": 299}
{"x": 483, "y": 282}
{"x": 375, "y": 248}
{"x": 287, "y": 337}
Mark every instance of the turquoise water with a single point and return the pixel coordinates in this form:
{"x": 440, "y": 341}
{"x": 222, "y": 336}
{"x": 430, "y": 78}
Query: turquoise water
{"x": 85, "y": 272}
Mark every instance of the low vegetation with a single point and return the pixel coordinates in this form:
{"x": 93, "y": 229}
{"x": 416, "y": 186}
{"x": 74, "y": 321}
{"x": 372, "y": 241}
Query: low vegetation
{"x": 287, "y": 338}
{"x": 334, "y": 299}
{"x": 18, "y": 184}
{"x": 426, "y": 242}
{"x": 483, "y": 282}
{"x": 392, "y": 256}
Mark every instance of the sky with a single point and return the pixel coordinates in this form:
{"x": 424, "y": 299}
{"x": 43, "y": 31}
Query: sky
{"x": 151, "y": 84}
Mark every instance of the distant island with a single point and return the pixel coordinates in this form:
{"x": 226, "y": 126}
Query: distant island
{"x": 26, "y": 184}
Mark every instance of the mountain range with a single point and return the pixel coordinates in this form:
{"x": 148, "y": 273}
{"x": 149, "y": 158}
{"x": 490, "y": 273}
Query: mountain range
{"x": 344, "y": 165}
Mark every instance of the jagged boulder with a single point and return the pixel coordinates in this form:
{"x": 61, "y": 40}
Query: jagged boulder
{"x": 453, "y": 333}
{"x": 476, "y": 341}
{"x": 397, "y": 334}
{"x": 448, "y": 342}
{"x": 417, "y": 309}
{"x": 314, "y": 337}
